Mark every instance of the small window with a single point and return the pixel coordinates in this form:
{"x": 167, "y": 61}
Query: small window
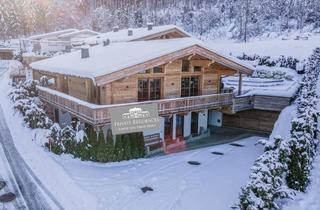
{"x": 158, "y": 69}
{"x": 185, "y": 65}
{"x": 145, "y": 71}
{"x": 197, "y": 68}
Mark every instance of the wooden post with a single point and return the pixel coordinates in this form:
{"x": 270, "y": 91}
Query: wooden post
{"x": 240, "y": 84}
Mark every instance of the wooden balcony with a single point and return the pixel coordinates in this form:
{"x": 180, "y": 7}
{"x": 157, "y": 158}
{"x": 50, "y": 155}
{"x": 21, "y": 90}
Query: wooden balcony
{"x": 100, "y": 114}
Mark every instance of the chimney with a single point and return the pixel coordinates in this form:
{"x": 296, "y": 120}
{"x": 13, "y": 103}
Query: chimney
{"x": 85, "y": 53}
{"x": 130, "y": 32}
{"x": 150, "y": 26}
{"x": 106, "y": 42}
{"x": 116, "y": 29}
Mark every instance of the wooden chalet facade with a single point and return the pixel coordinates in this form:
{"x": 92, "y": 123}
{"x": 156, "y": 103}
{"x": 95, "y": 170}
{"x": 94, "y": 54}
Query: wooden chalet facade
{"x": 182, "y": 76}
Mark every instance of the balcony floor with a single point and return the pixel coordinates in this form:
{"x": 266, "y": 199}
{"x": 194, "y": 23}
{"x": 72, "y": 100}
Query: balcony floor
{"x": 221, "y": 135}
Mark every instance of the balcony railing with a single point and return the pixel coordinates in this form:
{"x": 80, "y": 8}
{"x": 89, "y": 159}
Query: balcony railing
{"x": 100, "y": 114}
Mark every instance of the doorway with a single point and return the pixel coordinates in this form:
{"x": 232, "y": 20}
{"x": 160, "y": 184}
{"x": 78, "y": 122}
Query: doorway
{"x": 168, "y": 124}
{"x": 194, "y": 123}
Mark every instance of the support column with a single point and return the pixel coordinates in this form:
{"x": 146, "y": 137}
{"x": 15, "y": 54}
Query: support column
{"x": 240, "y": 84}
{"x": 174, "y": 126}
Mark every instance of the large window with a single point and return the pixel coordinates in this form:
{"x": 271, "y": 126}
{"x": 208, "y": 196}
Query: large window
{"x": 149, "y": 89}
{"x": 189, "y": 86}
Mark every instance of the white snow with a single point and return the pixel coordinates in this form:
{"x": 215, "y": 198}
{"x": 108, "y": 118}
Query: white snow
{"x": 276, "y": 47}
{"x": 73, "y": 33}
{"x": 117, "y": 56}
{"x": 52, "y": 34}
{"x": 266, "y": 86}
{"x": 214, "y": 184}
{"x": 138, "y": 33}
{"x": 282, "y": 126}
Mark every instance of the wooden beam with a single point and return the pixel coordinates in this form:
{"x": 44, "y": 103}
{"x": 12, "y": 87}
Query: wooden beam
{"x": 240, "y": 84}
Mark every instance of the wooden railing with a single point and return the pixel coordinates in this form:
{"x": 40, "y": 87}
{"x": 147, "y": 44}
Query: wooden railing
{"x": 100, "y": 114}
{"x": 260, "y": 102}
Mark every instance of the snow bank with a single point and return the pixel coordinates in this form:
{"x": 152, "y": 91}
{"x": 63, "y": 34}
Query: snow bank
{"x": 282, "y": 126}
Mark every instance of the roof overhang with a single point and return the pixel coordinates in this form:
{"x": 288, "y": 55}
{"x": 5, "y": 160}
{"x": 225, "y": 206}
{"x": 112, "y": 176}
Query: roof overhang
{"x": 155, "y": 35}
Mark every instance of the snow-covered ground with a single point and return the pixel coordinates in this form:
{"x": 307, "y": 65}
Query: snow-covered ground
{"x": 214, "y": 184}
{"x": 275, "y": 47}
{"x": 266, "y": 86}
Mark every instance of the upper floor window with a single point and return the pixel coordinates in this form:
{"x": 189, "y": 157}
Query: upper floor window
{"x": 190, "y": 86}
{"x": 157, "y": 69}
{"x": 197, "y": 68}
{"x": 149, "y": 89}
{"x": 185, "y": 65}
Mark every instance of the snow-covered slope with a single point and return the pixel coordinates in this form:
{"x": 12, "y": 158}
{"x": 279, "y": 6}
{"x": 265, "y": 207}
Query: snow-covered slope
{"x": 299, "y": 49}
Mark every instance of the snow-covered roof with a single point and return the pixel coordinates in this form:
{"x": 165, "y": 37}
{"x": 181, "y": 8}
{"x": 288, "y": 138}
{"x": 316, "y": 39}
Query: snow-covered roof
{"x": 85, "y": 31}
{"x": 138, "y": 33}
{"x": 117, "y": 56}
{"x": 55, "y": 33}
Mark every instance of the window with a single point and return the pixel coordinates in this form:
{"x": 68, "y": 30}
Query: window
{"x": 149, "y": 89}
{"x": 185, "y": 65}
{"x": 189, "y": 86}
{"x": 145, "y": 71}
{"x": 158, "y": 69}
{"x": 143, "y": 90}
{"x": 197, "y": 68}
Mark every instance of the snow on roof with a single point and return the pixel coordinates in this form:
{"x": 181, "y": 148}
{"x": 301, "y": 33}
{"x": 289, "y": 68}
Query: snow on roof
{"x": 122, "y": 35}
{"x": 79, "y": 32}
{"x": 55, "y": 33}
{"x": 116, "y": 56}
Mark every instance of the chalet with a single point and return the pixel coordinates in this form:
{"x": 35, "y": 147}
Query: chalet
{"x": 59, "y": 40}
{"x": 182, "y": 75}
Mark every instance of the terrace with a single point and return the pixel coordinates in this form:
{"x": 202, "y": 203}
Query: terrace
{"x": 100, "y": 114}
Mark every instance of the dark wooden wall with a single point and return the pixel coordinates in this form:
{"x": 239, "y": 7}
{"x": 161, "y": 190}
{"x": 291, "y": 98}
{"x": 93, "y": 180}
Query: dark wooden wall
{"x": 252, "y": 119}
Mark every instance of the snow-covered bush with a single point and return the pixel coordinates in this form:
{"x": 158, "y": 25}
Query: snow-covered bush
{"x": 303, "y": 141}
{"x": 267, "y": 179}
{"x": 29, "y": 105}
{"x": 282, "y": 61}
{"x": 285, "y": 165}
{"x": 278, "y": 73}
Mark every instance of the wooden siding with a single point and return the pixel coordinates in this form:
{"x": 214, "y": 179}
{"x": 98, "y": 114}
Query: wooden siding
{"x": 273, "y": 103}
{"x": 254, "y": 120}
{"x": 126, "y": 90}
{"x": 81, "y": 88}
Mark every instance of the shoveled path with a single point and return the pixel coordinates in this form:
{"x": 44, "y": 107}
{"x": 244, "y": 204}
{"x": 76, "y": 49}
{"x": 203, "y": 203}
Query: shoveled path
{"x": 35, "y": 194}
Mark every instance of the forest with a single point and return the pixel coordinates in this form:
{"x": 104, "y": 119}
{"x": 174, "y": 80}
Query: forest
{"x": 238, "y": 19}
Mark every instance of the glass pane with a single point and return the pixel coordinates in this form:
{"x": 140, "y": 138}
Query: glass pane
{"x": 155, "y": 89}
{"x": 143, "y": 90}
{"x": 185, "y": 83}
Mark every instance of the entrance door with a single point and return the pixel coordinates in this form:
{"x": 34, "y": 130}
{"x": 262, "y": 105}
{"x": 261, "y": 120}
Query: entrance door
{"x": 179, "y": 125}
{"x": 168, "y": 124}
{"x": 194, "y": 122}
